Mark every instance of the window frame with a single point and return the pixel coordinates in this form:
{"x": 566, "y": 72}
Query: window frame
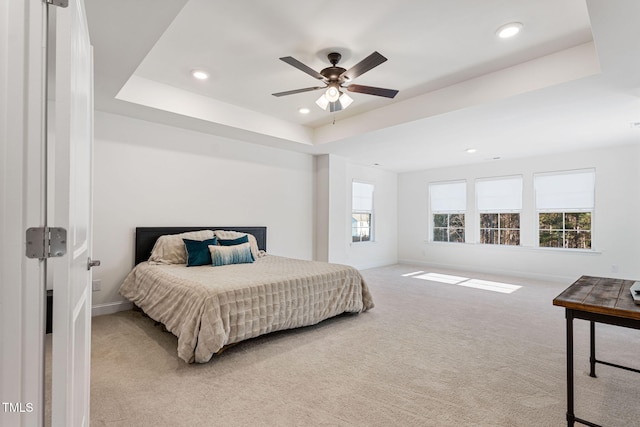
{"x": 449, "y": 213}
{"x": 499, "y": 229}
{"x": 565, "y": 211}
{"x": 507, "y": 205}
{"x": 449, "y": 230}
{"x": 363, "y": 212}
{"x": 564, "y": 229}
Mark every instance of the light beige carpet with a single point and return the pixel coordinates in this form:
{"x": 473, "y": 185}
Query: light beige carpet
{"x": 428, "y": 354}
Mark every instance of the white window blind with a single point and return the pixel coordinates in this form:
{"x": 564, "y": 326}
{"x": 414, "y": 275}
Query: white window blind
{"x": 499, "y": 194}
{"x": 362, "y": 200}
{"x": 565, "y": 190}
{"x": 448, "y": 196}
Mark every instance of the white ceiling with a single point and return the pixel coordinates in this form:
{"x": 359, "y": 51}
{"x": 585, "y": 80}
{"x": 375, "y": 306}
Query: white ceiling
{"x": 570, "y": 80}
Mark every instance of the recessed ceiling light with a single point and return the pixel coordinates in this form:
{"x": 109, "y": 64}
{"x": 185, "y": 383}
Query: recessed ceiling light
{"x": 470, "y": 150}
{"x": 304, "y": 110}
{"x": 509, "y": 30}
{"x": 200, "y": 74}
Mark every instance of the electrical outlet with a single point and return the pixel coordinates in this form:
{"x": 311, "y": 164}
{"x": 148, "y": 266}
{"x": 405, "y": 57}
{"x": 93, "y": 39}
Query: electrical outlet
{"x": 96, "y": 285}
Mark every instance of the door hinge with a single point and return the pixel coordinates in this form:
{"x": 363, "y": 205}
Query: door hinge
{"x": 46, "y": 242}
{"x": 60, "y": 3}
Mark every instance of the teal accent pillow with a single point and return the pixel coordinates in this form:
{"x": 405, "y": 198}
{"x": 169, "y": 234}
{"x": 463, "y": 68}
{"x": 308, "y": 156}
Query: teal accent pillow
{"x": 234, "y": 242}
{"x": 226, "y": 255}
{"x": 198, "y": 251}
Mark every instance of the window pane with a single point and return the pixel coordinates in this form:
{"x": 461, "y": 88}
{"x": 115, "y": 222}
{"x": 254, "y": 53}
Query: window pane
{"x": 360, "y": 227}
{"x": 550, "y": 221}
{"x": 357, "y": 234}
{"x": 489, "y": 220}
{"x": 448, "y": 228}
{"x": 578, "y": 239}
{"x": 360, "y": 217}
{"x": 489, "y": 236}
{"x": 550, "y": 239}
{"x": 456, "y": 220}
{"x": 510, "y": 237}
{"x": 510, "y": 220}
{"x": 456, "y": 235}
{"x": 500, "y": 229}
{"x": 440, "y": 235}
{"x": 584, "y": 221}
{"x": 440, "y": 220}
{"x": 578, "y": 221}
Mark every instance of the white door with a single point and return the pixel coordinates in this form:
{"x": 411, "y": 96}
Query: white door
{"x": 71, "y": 192}
{"x": 22, "y": 201}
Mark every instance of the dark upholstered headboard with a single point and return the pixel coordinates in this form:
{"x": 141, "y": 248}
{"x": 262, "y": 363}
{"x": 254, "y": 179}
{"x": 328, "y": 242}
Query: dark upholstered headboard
{"x": 146, "y": 237}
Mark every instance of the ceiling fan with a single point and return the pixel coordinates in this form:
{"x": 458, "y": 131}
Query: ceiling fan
{"x": 336, "y": 78}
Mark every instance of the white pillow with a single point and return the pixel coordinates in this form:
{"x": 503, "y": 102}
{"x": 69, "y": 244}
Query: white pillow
{"x": 169, "y": 249}
{"x": 230, "y": 235}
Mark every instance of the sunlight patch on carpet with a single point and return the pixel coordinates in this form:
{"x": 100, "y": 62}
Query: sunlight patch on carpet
{"x": 505, "y": 288}
{"x": 486, "y": 285}
{"x": 412, "y": 274}
{"x": 442, "y": 278}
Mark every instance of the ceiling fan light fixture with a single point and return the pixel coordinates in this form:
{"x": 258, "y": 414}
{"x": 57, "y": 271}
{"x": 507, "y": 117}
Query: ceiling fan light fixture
{"x": 345, "y": 100}
{"x": 509, "y": 30}
{"x": 334, "y": 107}
{"x": 332, "y": 94}
{"x": 322, "y": 102}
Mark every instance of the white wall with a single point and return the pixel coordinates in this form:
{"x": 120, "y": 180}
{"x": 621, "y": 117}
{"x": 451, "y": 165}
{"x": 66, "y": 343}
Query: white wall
{"x": 147, "y": 174}
{"x": 334, "y": 176}
{"x": 321, "y": 207}
{"x": 616, "y": 230}
{"x": 384, "y": 249}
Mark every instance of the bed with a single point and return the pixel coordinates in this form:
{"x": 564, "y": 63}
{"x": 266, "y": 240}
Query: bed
{"x": 209, "y": 308}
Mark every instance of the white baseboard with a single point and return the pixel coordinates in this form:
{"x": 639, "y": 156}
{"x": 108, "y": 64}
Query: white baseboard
{"x": 374, "y": 265}
{"x": 110, "y": 308}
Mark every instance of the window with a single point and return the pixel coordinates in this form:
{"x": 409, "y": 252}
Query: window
{"x": 448, "y": 205}
{"x": 448, "y": 228}
{"x": 565, "y": 230}
{"x": 361, "y": 212}
{"x": 500, "y": 229}
{"x": 565, "y": 202}
{"x": 499, "y": 203}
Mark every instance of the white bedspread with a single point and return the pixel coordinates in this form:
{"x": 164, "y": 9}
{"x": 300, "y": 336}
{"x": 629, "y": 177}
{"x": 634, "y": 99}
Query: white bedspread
{"x": 209, "y": 307}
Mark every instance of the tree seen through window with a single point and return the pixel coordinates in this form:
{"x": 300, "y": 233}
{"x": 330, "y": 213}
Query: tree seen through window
{"x": 565, "y": 230}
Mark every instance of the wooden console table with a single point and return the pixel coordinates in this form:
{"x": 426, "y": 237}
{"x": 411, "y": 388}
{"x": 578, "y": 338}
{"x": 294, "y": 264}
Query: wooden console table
{"x": 596, "y": 299}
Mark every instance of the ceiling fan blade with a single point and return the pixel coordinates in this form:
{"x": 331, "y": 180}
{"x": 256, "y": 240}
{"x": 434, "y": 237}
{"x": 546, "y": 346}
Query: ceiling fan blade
{"x": 300, "y": 66}
{"x": 291, "y": 92}
{"x": 370, "y": 90}
{"x": 363, "y": 66}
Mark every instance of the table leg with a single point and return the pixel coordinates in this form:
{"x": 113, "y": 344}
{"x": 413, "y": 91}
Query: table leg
{"x": 592, "y": 357}
{"x": 571, "y": 416}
